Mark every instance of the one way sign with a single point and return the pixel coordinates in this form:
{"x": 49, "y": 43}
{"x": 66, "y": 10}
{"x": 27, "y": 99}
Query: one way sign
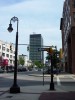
{"x": 43, "y": 49}
{"x": 49, "y": 50}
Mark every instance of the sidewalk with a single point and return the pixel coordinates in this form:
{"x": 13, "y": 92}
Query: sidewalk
{"x": 37, "y": 93}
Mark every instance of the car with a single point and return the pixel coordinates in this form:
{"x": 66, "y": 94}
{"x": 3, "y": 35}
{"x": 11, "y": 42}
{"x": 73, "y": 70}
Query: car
{"x": 21, "y": 69}
{"x": 10, "y": 70}
{"x": 48, "y": 71}
{"x": 1, "y": 70}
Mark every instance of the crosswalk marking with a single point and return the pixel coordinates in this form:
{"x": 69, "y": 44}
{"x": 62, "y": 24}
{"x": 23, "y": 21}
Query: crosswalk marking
{"x": 58, "y": 81}
{"x": 72, "y": 77}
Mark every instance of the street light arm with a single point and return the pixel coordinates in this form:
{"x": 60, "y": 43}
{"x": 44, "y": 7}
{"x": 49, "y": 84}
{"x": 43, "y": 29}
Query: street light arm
{"x": 15, "y": 19}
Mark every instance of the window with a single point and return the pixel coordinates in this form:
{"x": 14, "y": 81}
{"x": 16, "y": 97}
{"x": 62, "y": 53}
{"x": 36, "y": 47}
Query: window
{"x": 10, "y": 56}
{"x": 3, "y": 54}
{"x": 0, "y": 46}
{"x": 74, "y": 3}
{"x": 3, "y": 48}
{"x": 7, "y": 55}
{"x": 11, "y": 61}
{"x": 7, "y": 50}
{"x": 74, "y": 16}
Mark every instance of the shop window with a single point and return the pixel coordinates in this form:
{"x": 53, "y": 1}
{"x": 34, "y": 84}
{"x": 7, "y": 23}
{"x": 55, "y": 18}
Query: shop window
{"x": 74, "y": 3}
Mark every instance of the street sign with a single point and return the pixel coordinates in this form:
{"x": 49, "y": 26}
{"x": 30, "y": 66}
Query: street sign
{"x": 49, "y": 50}
{"x": 42, "y": 49}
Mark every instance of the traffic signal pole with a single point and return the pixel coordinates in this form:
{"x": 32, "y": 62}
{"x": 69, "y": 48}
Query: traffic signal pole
{"x": 51, "y": 83}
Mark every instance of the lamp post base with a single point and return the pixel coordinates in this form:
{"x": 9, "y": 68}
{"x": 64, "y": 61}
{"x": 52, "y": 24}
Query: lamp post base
{"x": 15, "y": 89}
{"x": 52, "y": 86}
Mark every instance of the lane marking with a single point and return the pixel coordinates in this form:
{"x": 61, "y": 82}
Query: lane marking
{"x": 58, "y": 81}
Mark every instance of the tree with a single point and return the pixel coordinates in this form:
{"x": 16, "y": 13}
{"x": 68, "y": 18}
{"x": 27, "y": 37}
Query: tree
{"x": 21, "y": 60}
{"x": 38, "y": 64}
{"x": 55, "y": 58}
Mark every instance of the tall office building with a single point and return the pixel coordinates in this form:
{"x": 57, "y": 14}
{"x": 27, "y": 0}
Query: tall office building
{"x": 67, "y": 27}
{"x": 36, "y": 41}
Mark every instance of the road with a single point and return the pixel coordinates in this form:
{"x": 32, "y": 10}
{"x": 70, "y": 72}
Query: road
{"x": 67, "y": 82}
{"x": 23, "y": 79}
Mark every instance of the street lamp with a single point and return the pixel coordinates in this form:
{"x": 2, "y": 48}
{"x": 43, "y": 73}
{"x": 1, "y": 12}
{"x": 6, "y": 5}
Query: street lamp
{"x": 15, "y": 88}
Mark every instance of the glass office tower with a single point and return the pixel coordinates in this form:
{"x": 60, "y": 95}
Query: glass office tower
{"x": 36, "y": 41}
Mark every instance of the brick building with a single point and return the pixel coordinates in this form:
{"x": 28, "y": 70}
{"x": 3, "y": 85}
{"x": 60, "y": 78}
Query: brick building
{"x": 67, "y": 27}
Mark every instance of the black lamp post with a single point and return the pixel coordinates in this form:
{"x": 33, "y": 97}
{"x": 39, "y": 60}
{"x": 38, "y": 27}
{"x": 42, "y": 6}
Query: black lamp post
{"x": 15, "y": 88}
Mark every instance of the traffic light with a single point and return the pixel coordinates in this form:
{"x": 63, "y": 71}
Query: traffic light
{"x": 60, "y": 54}
{"x": 50, "y": 51}
{"x": 47, "y": 49}
{"x": 10, "y": 47}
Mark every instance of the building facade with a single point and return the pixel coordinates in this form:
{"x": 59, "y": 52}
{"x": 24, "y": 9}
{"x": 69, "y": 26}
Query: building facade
{"x": 36, "y": 41}
{"x": 67, "y": 27}
{"x": 7, "y": 53}
{"x": 25, "y": 58}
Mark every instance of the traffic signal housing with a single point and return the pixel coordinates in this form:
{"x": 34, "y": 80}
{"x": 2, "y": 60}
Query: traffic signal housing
{"x": 49, "y": 50}
{"x": 60, "y": 54}
{"x": 10, "y": 47}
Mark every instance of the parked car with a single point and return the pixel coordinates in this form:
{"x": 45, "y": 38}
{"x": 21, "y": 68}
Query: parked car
{"x": 24, "y": 69}
{"x": 1, "y": 70}
{"x": 21, "y": 69}
{"x": 48, "y": 71}
{"x": 10, "y": 70}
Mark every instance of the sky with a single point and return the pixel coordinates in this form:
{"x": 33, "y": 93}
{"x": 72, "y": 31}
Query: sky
{"x": 35, "y": 16}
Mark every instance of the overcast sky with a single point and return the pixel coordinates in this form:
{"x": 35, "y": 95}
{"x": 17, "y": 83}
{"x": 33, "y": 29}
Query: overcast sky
{"x": 39, "y": 16}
